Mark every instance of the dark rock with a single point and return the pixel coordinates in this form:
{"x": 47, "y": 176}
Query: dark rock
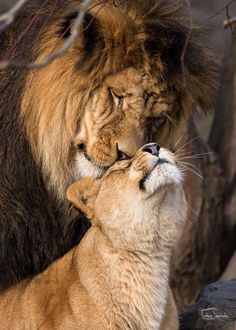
{"x": 215, "y": 308}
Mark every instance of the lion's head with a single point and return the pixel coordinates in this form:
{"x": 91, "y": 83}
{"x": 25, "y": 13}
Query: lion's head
{"x": 119, "y": 86}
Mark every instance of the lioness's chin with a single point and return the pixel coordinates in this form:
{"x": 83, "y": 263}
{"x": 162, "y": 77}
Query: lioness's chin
{"x": 161, "y": 176}
{"x": 85, "y": 168}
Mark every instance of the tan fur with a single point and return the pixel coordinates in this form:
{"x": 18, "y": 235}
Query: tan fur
{"x": 117, "y": 277}
{"x": 63, "y": 107}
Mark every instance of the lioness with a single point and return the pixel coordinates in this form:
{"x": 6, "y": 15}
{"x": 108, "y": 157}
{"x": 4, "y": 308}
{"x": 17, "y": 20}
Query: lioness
{"x": 117, "y": 277}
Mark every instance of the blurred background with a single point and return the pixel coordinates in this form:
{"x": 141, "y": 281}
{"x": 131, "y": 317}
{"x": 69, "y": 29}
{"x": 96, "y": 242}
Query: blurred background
{"x": 211, "y": 14}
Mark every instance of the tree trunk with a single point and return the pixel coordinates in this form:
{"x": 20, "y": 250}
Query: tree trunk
{"x": 223, "y": 142}
{"x": 209, "y": 239}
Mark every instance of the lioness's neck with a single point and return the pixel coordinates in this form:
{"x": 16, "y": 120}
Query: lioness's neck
{"x": 133, "y": 284}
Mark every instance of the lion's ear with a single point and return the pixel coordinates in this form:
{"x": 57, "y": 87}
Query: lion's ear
{"x": 82, "y": 195}
{"x": 88, "y": 30}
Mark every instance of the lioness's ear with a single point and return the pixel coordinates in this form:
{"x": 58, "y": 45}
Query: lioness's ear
{"x": 82, "y": 195}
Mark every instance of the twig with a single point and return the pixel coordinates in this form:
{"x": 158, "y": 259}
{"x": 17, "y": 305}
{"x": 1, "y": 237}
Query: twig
{"x": 75, "y": 29}
{"x": 190, "y": 30}
{"x": 229, "y": 22}
{"x": 228, "y": 17}
{"x": 100, "y": 4}
{"x": 8, "y": 17}
{"x": 217, "y": 13}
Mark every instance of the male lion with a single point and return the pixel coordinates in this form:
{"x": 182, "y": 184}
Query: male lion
{"x": 119, "y": 86}
{"x": 117, "y": 277}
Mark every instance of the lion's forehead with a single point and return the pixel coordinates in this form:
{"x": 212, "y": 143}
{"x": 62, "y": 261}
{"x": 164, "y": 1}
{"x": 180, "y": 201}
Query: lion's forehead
{"x": 136, "y": 81}
{"x": 145, "y": 95}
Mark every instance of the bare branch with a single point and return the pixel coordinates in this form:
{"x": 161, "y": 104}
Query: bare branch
{"x": 8, "y": 17}
{"x": 229, "y": 22}
{"x": 218, "y": 13}
{"x": 228, "y": 17}
{"x": 75, "y": 29}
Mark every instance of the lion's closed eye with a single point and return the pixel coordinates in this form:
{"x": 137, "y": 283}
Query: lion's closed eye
{"x": 117, "y": 99}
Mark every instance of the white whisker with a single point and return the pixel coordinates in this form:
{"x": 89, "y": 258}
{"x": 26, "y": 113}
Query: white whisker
{"x": 186, "y": 167}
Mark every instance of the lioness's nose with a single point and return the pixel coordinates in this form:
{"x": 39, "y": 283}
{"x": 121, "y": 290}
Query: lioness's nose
{"x": 153, "y": 149}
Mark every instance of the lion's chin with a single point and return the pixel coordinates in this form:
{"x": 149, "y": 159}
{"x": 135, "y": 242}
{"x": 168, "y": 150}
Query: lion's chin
{"x": 85, "y": 168}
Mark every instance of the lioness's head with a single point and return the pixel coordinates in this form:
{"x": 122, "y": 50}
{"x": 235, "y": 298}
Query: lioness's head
{"x": 137, "y": 200}
{"x": 119, "y": 86}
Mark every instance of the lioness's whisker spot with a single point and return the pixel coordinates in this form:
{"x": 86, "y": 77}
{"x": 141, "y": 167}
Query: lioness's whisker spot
{"x": 141, "y": 183}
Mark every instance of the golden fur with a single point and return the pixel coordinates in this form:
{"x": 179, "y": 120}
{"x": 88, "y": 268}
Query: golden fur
{"x": 117, "y": 277}
{"x": 120, "y": 95}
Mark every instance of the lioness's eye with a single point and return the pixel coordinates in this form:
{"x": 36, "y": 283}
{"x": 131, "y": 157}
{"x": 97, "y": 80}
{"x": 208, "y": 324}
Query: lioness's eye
{"x": 118, "y": 99}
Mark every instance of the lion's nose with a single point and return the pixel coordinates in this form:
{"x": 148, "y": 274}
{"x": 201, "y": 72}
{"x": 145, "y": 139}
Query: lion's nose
{"x": 153, "y": 149}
